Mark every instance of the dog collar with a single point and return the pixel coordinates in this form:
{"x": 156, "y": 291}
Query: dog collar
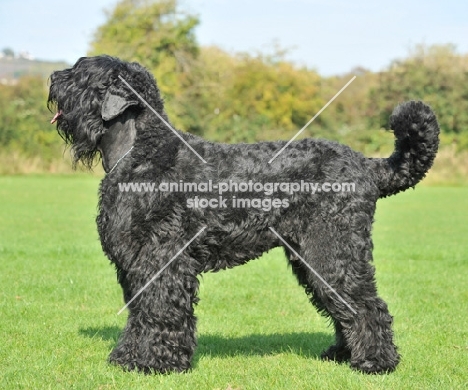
{"x": 120, "y": 159}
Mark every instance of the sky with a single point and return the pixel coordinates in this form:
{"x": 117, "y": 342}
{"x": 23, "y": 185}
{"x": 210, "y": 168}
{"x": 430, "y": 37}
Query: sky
{"x": 332, "y": 36}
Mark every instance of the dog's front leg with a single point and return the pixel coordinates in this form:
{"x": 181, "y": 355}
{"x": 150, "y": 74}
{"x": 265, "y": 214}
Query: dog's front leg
{"x": 160, "y": 332}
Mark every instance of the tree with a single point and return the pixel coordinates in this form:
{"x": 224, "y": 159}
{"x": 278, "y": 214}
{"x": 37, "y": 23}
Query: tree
{"x": 247, "y": 98}
{"x": 8, "y": 52}
{"x": 435, "y": 74}
{"x": 227, "y": 97}
{"x": 24, "y": 120}
{"x": 156, "y": 33}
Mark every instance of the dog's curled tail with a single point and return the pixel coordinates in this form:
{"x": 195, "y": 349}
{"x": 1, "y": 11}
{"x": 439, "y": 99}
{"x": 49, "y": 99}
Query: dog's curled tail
{"x": 416, "y": 142}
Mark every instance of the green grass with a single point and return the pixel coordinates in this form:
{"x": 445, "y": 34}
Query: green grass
{"x": 59, "y": 299}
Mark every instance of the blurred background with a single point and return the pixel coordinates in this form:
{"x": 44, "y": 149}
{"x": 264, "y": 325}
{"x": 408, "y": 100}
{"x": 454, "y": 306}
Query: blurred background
{"x": 245, "y": 71}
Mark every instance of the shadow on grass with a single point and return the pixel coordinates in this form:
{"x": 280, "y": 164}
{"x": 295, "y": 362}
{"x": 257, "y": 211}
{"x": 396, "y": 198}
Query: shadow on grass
{"x": 105, "y": 333}
{"x": 301, "y": 343}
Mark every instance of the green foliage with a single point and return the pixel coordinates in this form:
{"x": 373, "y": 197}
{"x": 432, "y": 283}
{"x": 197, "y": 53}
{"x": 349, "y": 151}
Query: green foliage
{"x": 24, "y": 119}
{"x": 231, "y": 98}
{"x": 147, "y": 31}
{"x": 244, "y": 98}
{"x": 435, "y": 74}
{"x": 157, "y": 34}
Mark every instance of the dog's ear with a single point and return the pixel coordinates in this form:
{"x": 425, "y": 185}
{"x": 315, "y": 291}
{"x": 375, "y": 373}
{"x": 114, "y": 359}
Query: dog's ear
{"x": 114, "y": 105}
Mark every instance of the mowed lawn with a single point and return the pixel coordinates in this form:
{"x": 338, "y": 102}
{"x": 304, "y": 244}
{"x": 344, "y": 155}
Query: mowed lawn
{"x": 59, "y": 301}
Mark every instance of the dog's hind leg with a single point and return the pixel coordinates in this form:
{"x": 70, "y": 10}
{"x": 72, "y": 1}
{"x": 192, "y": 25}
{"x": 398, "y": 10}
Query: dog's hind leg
{"x": 160, "y": 332}
{"x": 341, "y": 256}
{"x": 338, "y": 352}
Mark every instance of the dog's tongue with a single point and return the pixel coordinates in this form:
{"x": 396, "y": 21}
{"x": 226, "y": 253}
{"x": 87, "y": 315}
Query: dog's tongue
{"x": 56, "y": 116}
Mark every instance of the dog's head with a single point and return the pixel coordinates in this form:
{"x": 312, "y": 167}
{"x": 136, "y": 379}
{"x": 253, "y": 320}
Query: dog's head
{"x": 92, "y": 95}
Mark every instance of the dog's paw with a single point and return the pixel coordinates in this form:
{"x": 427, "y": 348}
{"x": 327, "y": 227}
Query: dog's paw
{"x": 120, "y": 356}
{"x": 146, "y": 364}
{"x": 381, "y": 364}
{"x": 383, "y": 360}
{"x": 337, "y": 354}
{"x": 369, "y": 367}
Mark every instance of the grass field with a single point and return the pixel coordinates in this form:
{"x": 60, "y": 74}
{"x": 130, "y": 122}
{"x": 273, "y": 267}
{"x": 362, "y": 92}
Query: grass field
{"x": 59, "y": 301}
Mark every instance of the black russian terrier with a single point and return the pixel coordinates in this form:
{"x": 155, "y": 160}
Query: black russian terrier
{"x": 108, "y": 107}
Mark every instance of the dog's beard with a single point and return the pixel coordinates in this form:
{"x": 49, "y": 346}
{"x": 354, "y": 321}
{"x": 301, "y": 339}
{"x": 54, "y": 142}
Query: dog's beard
{"x": 83, "y": 143}
{"x": 81, "y": 135}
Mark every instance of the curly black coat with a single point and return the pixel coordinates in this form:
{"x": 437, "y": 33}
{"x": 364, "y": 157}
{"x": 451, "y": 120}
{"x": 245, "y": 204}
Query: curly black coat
{"x": 141, "y": 231}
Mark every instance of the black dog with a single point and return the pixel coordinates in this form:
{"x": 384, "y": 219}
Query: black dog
{"x": 326, "y": 235}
